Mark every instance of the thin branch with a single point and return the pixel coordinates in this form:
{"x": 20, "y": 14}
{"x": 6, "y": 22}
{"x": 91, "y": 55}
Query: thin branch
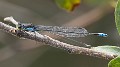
{"x": 55, "y": 43}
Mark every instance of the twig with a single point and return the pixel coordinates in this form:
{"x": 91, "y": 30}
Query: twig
{"x": 55, "y": 43}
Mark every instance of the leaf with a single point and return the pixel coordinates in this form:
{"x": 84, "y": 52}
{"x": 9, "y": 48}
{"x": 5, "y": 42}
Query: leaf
{"x": 117, "y": 16}
{"x": 68, "y": 5}
{"x": 113, "y": 50}
{"x": 114, "y": 62}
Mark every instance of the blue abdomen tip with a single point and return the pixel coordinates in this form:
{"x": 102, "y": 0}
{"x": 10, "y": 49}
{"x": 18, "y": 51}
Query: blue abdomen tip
{"x": 102, "y": 34}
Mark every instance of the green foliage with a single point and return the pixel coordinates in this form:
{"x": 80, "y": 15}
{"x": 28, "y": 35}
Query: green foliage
{"x": 114, "y": 62}
{"x": 113, "y": 50}
{"x": 68, "y": 5}
{"x": 117, "y": 16}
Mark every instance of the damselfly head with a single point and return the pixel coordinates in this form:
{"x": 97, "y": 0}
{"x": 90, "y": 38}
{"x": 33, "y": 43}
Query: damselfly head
{"x": 27, "y": 27}
{"x": 23, "y": 25}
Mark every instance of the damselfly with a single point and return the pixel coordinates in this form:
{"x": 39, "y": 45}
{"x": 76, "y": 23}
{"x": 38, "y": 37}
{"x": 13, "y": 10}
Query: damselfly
{"x": 66, "y": 32}
{"x": 61, "y": 31}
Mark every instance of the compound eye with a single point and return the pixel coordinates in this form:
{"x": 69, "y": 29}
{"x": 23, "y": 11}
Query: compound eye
{"x": 19, "y": 24}
{"x": 23, "y": 25}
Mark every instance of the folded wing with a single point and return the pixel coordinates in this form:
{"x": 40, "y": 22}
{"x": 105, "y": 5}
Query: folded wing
{"x": 64, "y": 31}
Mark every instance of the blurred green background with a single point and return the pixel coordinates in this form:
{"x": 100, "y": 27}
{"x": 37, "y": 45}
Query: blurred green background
{"x": 94, "y": 15}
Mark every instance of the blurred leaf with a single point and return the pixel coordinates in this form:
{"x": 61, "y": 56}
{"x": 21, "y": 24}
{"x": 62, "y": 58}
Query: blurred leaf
{"x": 117, "y": 16}
{"x": 68, "y": 5}
{"x": 114, "y": 62}
{"x": 113, "y": 50}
